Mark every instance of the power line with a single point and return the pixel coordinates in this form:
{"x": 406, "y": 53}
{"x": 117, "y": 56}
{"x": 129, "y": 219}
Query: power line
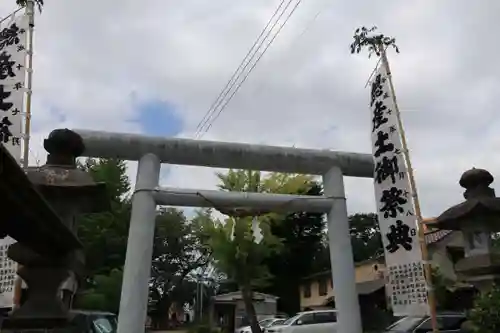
{"x": 11, "y": 14}
{"x": 208, "y": 122}
{"x": 235, "y": 74}
{"x": 251, "y": 69}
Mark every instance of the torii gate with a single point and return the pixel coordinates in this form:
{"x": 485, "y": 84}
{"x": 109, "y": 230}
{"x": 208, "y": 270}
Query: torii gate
{"x": 152, "y": 151}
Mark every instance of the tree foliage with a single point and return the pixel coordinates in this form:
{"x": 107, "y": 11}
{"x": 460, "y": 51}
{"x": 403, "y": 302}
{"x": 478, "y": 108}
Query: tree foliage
{"x": 105, "y": 293}
{"x": 24, "y": 3}
{"x": 302, "y": 235}
{"x": 366, "y": 37}
{"x": 177, "y": 252}
{"x": 365, "y": 236}
{"x": 107, "y": 232}
{"x": 236, "y": 251}
{"x": 485, "y": 315}
{"x": 177, "y": 249}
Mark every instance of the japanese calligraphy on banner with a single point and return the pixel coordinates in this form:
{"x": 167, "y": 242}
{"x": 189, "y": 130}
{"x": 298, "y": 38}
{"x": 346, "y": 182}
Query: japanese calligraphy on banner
{"x": 406, "y": 286}
{"x": 12, "y": 80}
{"x": 8, "y": 270}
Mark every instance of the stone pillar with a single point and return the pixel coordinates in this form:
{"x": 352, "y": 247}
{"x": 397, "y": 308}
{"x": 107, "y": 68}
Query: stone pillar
{"x": 135, "y": 288}
{"x": 341, "y": 257}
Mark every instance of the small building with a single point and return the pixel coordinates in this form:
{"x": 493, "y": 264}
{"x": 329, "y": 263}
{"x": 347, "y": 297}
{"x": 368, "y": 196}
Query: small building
{"x": 445, "y": 249}
{"x": 228, "y": 310}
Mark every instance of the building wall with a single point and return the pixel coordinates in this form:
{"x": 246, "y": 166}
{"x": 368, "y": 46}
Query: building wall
{"x": 440, "y": 257}
{"x": 364, "y": 272}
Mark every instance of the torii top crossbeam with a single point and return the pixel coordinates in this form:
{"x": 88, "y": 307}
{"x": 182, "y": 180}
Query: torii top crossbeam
{"x": 225, "y": 154}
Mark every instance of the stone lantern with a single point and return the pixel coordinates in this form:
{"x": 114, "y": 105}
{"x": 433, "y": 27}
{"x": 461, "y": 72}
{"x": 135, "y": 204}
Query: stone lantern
{"x": 70, "y": 191}
{"x": 478, "y": 218}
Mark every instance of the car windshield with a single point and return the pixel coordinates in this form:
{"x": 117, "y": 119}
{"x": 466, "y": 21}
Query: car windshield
{"x": 289, "y": 321}
{"x": 266, "y": 322}
{"x": 104, "y": 324}
{"x": 278, "y": 322}
{"x": 404, "y": 325}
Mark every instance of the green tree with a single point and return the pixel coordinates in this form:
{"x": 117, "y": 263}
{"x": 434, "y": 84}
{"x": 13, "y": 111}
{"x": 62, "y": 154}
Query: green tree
{"x": 241, "y": 258}
{"x": 303, "y": 236}
{"x": 484, "y": 317}
{"x": 105, "y": 293}
{"x": 365, "y": 236}
{"x": 107, "y": 232}
{"x": 236, "y": 250}
{"x": 177, "y": 252}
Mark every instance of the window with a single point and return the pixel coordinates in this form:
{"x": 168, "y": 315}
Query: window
{"x": 306, "y": 319}
{"x": 325, "y": 317}
{"x": 444, "y": 323}
{"x": 278, "y": 322}
{"x": 104, "y": 324}
{"x": 307, "y": 290}
{"x": 322, "y": 287}
{"x": 405, "y": 324}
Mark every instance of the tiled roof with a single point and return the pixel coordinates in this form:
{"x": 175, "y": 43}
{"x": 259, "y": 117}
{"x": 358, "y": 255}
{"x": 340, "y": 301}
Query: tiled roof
{"x": 435, "y": 236}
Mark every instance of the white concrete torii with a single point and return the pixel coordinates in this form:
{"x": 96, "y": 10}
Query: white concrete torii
{"x": 152, "y": 151}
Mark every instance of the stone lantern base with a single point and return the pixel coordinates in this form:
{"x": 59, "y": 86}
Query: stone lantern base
{"x": 482, "y": 271}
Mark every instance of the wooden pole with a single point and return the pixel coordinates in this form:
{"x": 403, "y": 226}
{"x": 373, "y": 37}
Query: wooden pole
{"x": 421, "y": 231}
{"x": 30, "y": 12}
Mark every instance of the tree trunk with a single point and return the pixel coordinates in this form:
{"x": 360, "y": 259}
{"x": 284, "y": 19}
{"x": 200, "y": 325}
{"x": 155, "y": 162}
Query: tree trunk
{"x": 247, "y": 295}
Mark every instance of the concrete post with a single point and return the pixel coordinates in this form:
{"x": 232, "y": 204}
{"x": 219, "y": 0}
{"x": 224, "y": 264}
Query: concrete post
{"x": 341, "y": 258}
{"x": 135, "y": 288}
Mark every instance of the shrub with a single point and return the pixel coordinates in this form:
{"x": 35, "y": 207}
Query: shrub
{"x": 485, "y": 315}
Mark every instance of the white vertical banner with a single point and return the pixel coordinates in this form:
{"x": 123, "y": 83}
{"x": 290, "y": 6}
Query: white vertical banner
{"x": 8, "y": 270}
{"x": 406, "y": 286}
{"x": 12, "y": 82}
{"x": 12, "y": 92}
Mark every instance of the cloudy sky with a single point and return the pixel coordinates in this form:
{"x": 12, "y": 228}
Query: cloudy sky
{"x": 156, "y": 68}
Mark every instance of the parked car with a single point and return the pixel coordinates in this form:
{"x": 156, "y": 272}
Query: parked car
{"x": 449, "y": 322}
{"x": 93, "y": 322}
{"x": 317, "y": 321}
{"x": 264, "y": 323}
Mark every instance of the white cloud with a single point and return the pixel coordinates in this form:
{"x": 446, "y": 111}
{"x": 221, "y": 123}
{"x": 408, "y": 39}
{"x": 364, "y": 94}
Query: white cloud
{"x": 92, "y": 57}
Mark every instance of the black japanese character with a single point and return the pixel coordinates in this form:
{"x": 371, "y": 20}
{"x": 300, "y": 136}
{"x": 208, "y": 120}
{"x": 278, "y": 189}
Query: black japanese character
{"x": 377, "y": 89}
{"x": 399, "y": 235}
{"x": 19, "y": 67}
{"x": 15, "y": 112}
{"x": 385, "y": 168}
{"x": 18, "y": 85}
{"x": 10, "y": 36}
{"x": 16, "y": 141}
{"x": 5, "y": 133}
{"x": 380, "y": 144}
{"x": 20, "y": 48}
{"x": 378, "y": 115}
{"x": 4, "y": 106}
{"x": 6, "y": 66}
{"x": 392, "y": 199}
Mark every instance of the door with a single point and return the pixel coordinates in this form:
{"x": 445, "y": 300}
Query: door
{"x": 325, "y": 322}
{"x": 304, "y": 324}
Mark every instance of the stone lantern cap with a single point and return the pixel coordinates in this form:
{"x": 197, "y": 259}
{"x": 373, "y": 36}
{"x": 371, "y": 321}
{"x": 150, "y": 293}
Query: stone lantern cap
{"x": 61, "y": 179}
{"x": 481, "y": 209}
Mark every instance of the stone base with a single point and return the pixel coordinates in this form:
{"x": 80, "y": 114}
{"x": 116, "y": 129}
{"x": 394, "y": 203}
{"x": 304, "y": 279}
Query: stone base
{"x": 483, "y": 264}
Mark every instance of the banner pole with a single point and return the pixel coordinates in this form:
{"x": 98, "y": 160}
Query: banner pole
{"x": 30, "y": 12}
{"x": 418, "y": 212}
